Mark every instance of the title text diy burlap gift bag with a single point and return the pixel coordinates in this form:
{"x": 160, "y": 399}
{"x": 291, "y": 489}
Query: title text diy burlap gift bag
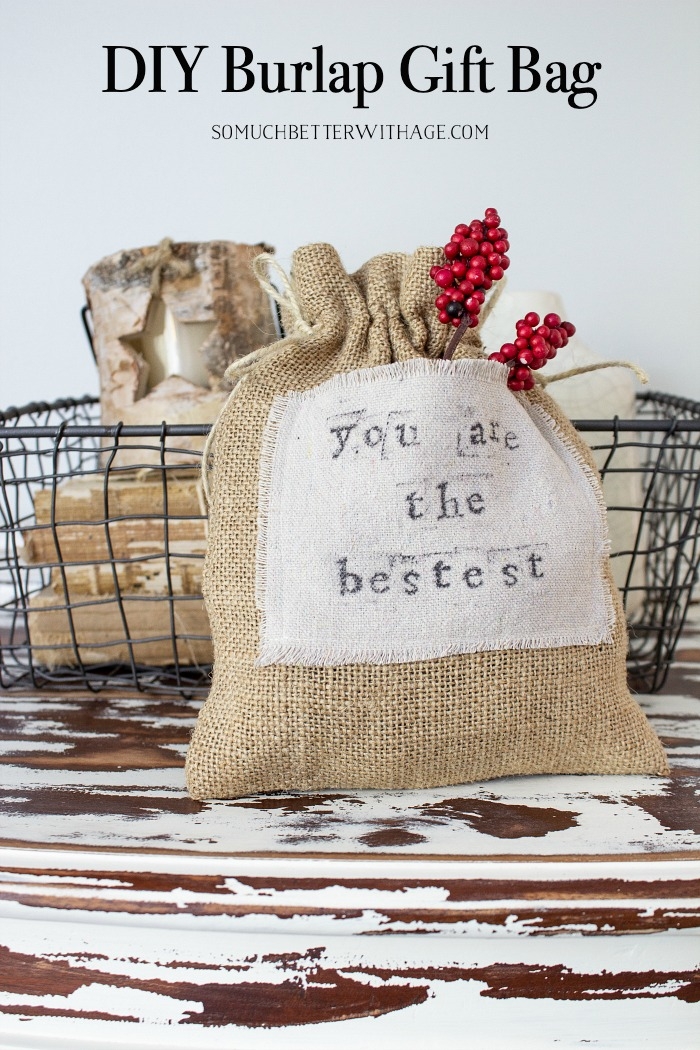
{"x": 407, "y": 576}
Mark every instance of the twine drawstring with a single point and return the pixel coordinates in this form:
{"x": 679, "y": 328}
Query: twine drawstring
{"x": 582, "y": 369}
{"x": 156, "y": 262}
{"x": 262, "y": 265}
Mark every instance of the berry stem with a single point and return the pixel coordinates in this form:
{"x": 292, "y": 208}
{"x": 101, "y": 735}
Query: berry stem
{"x": 456, "y": 338}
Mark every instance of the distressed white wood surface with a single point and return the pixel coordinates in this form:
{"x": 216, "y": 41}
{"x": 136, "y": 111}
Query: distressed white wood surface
{"x": 532, "y": 912}
{"x": 107, "y": 773}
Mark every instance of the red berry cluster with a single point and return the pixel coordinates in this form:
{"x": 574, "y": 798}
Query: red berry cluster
{"x": 475, "y": 259}
{"x": 535, "y": 345}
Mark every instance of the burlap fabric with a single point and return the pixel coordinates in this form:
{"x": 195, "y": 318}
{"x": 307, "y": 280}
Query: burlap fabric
{"x": 454, "y": 719}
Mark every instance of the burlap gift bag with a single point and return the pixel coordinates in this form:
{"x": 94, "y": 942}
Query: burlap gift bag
{"x": 407, "y": 576}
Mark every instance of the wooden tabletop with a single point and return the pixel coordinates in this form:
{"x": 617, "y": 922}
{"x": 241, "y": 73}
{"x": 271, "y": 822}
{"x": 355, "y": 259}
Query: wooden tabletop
{"x": 131, "y": 912}
{"x": 106, "y": 772}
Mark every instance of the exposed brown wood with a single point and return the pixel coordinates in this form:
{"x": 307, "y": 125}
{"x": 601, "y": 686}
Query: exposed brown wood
{"x": 314, "y": 990}
{"x": 491, "y": 889}
{"x": 504, "y": 820}
{"x": 678, "y": 808}
{"x": 591, "y": 921}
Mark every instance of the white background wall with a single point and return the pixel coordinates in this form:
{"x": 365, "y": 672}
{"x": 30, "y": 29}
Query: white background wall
{"x": 601, "y": 204}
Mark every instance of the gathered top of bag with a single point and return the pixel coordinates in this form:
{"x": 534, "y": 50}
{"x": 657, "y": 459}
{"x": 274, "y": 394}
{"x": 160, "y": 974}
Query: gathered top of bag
{"x": 390, "y": 299}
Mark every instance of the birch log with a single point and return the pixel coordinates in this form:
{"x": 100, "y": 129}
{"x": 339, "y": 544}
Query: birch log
{"x": 162, "y": 346}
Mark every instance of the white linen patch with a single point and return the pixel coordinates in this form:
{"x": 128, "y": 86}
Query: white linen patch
{"x": 421, "y": 509}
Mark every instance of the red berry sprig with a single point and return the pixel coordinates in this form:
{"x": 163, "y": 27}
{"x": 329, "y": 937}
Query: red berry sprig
{"x": 475, "y": 259}
{"x": 535, "y": 344}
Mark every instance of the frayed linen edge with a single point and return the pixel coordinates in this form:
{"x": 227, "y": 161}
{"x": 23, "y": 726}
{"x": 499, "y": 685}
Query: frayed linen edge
{"x": 268, "y": 448}
{"x": 320, "y": 656}
{"x": 464, "y": 368}
{"x": 539, "y": 412}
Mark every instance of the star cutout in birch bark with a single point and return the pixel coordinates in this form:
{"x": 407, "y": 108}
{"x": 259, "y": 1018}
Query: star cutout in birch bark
{"x": 170, "y": 347}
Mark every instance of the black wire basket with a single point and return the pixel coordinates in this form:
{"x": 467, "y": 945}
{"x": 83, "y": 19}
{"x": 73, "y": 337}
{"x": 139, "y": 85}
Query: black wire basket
{"x": 103, "y": 532}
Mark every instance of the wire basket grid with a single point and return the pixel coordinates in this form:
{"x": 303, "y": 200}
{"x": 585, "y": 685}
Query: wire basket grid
{"x": 103, "y": 533}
